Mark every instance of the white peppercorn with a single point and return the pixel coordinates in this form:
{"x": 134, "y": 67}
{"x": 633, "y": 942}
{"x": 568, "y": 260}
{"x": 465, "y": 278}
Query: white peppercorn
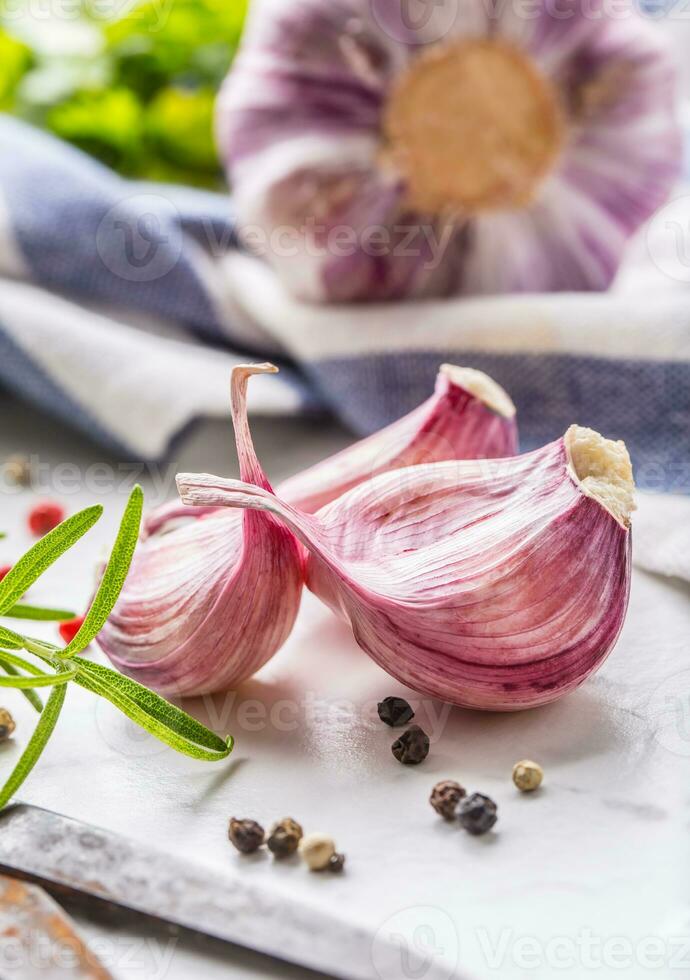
{"x": 527, "y": 775}
{"x": 317, "y": 851}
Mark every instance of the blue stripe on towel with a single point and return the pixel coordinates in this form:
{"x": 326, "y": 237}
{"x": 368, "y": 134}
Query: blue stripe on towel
{"x": 83, "y": 230}
{"x": 645, "y": 403}
{"x": 87, "y": 233}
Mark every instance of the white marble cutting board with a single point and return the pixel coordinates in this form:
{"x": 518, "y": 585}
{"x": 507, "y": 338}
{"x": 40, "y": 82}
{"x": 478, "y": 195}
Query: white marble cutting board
{"x": 591, "y": 873}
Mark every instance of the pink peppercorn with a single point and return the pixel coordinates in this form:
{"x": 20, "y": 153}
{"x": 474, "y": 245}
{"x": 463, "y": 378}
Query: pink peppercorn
{"x": 69, "y": 629}
{"x": 44, "y": 517}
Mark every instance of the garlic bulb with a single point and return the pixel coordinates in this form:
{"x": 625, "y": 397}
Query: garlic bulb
{"x": 491, "y": 584}
{"x": 207, "y": 604}
{"x": 469, "y": 148}
{"x": 190, "y": 618}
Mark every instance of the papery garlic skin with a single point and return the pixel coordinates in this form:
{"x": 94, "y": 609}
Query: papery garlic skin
{"x": 469, "y": 416}
{"x": 311, "y": 123}
{"x": 208, "y": 603}
{"x": 497, "y": 585}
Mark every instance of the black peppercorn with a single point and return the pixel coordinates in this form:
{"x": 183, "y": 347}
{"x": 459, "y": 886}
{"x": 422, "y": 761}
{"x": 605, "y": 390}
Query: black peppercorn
{"x": 477, "y": 813}
{"x": 246, "y": 835}
{"x": 336, "y": 863}
{"x": 445, "y": 797}
{"x": 284, "y": 838}
{"x": 395, "y": 711}
{"x": 412, "y": 747}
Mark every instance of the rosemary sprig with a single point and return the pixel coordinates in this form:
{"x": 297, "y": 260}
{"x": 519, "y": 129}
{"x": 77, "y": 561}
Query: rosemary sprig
{"x": 60, "y": 666}
{"x": 39, "y": 613}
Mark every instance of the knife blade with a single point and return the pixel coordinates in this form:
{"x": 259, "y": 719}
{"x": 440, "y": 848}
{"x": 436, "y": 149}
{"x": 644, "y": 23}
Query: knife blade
{"x": 39, "y": 940}
{"x": 69, "y": 857}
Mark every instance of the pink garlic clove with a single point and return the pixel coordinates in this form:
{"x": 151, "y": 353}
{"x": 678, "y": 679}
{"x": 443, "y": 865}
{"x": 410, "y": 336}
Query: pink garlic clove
{"x": 184, "y": 624}
{"x": 469, "y": 416}
{"x": 498, "y": 585}
{"x": 208, "y": 603}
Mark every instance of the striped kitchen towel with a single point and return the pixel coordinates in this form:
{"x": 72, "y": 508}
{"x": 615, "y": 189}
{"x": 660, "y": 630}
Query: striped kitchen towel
{"x": 123, "y": 307}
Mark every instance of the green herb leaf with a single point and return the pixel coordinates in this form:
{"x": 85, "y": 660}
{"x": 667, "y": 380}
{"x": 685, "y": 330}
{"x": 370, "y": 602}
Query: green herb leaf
{"x": 113, "y": 577}
{"x": 46, "y": 551}
{"x": 11, "y": 640}
{"x": 39, "y": 613}
{"x": 30, "y": 668}
{"x": 163, "y": 720}
{"x": 153, "y": 713}
{"x": 37, "y": 680}
{"x": 42, "y": 732}
{"x": 29, "y": 693}
{"x": 41, "y": 648}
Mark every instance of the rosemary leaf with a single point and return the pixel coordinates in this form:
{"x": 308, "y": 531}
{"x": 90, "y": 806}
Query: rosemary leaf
{"x": 113, "y": 577}
{"x": 155, "y": 715}
{"x": 22, "y": 682}
{"x": 40, "y": 648}
{"x": 10, "y": 640}
{"x": 46, "y": 551}
{"x": 39, "y": 613}
{"x": 37, "y": 678}
{"x": 39, "y": 739}
{"x": 28, "y": 693}
{"x": 169, "y": 724}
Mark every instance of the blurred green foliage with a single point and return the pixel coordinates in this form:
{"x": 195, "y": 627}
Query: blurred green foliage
{"x": 132, "y": 82}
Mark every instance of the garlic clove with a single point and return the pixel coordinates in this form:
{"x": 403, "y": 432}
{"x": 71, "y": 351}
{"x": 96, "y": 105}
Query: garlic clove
{"x": 498, "y": 584}
{"x": 191, "y": 559}
{"x": 469, "y": 416}
{"x": 208, "y": 603}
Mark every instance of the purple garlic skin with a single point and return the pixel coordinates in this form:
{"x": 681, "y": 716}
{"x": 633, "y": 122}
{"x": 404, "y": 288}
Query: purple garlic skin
{"x": 213, "y": 593}
{"x": 304, "y": 126}
{"x": 468, "y": 416}
{"x": 208, "y": 603}
{"x": 499, "y": 584}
